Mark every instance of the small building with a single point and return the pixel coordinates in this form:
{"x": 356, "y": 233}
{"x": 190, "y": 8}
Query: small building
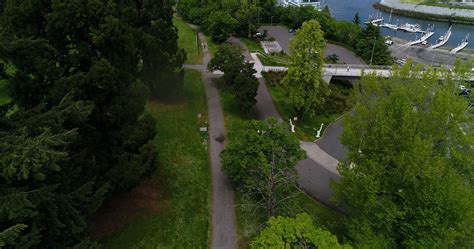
{"x": 314, "y": 3}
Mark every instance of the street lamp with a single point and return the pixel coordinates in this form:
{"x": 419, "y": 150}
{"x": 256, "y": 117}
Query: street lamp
{"x": 373, "y": 49}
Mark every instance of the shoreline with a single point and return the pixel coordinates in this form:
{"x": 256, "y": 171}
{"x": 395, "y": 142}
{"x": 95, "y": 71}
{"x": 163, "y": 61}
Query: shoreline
{"x": 425, "y": 15}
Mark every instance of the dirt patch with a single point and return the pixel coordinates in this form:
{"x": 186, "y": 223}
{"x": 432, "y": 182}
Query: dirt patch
{"x": 121, "y": 208}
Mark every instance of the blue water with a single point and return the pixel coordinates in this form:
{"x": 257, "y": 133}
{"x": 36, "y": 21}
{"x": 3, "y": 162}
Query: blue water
{"x": 346, "y": 9}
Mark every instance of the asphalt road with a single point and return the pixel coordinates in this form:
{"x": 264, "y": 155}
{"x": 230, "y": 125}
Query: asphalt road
{"x": 330, "y": 142}
{"x": 284, "y": 38}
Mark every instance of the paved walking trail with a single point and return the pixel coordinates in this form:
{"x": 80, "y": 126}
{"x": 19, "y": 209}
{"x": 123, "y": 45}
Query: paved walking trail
{"x": 223, "y": 209}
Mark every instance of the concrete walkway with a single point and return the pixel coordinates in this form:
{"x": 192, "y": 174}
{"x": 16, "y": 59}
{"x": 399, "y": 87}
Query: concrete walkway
{"x": 223, "y": 209}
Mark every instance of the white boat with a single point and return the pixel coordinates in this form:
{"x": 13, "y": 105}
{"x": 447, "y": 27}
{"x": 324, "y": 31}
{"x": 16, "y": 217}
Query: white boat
{"x": 427, "y": 34}
{"x": 390, "y": 26}
{"x": 412, "y": 28}
{"x": 461, "y": 46}
{"x": 444, "y": 39}
{"x": 375, "y": 20}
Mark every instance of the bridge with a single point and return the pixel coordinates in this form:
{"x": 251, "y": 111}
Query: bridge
{"x": 332, "y": 70}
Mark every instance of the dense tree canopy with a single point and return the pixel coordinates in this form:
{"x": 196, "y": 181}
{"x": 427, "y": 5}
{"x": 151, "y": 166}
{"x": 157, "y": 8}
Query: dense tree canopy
{"x": 238, "y": 75}
{"x": 408, "y": 180}
{"x": 298, "y": 232}
{"x": 76, "y": 129}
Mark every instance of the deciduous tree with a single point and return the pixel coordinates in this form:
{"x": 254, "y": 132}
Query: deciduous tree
{"x": 298, "y": 232}
{"x": 408, "y": 179}
{"x": 261, "y": 162}
{"x": 304, "y": 84}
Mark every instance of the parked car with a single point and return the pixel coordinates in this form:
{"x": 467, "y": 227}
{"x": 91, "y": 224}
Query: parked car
{"x": 258, "y": 35}
{"x": 401, "y": 62}
{"x": 291, "y": 31}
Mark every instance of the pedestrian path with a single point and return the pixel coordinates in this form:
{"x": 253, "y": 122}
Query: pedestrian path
{"x": 224, "y": 232}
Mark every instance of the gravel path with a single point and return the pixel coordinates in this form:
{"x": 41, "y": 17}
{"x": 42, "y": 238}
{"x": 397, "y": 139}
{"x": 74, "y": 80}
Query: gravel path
{"x": 223, "y": 209}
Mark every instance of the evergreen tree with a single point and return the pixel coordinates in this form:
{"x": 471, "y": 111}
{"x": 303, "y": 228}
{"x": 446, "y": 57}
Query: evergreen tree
{"x": 356, "y": 18}
{"x": 372, "y": 48}
{"x": 78, "y": 130}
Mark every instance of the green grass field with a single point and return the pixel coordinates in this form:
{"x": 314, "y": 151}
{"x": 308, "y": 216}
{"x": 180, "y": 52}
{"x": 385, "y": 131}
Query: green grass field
{"x": 307, "y": 128}
{"x": 249, "y": 220}
{"x": 275, "y": 59}
{"x": 184, "y": 220}
{"x": 252, "y": 45}
{"x": 438, "y": 4}
{"x": 188, "y": 41}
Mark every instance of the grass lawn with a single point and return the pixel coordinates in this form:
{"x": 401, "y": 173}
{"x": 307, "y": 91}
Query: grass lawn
{"x": 438, "y": 4}
{"x": 249, "y": 220}
{"x": 184, "y": 219}
{"x": 252, "y": 45}
{"x": 188, "y": 41}
{"x": 306, "y": 129}
{"x": 275, "y": 59}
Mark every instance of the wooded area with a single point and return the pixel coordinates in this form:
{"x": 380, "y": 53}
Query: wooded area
{"x": 75, "y": 130}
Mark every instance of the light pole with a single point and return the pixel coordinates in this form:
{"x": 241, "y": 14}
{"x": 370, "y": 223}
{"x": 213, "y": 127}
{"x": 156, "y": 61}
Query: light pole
{"x": 373, "y": 49}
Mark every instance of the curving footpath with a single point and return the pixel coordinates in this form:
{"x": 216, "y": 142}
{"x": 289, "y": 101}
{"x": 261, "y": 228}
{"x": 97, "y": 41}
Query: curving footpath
{"x": 316, "y": 172}
{"x": 223, "y": 209}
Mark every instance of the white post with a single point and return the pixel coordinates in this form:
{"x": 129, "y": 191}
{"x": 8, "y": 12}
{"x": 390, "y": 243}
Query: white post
{"x": 292, "y": 126}
{"x": 319, "y": 131}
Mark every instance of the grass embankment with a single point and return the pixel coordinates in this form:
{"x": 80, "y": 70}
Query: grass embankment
{"x": 250, "y": 220}
{"x": 427, "y": 16}
{"x": 274, "y": 59}
{"x": 439, "y": 4}
{"x": 189, "y": 41}
{"x": 183, "y": 220}
{"x": 252, "y": 45}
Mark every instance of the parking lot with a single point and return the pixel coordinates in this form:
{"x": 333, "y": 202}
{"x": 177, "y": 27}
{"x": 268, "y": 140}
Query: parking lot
{"x": 283, "y": 37}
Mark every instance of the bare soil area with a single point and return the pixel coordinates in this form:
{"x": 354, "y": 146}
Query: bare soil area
{"x": 144, "y": 199}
